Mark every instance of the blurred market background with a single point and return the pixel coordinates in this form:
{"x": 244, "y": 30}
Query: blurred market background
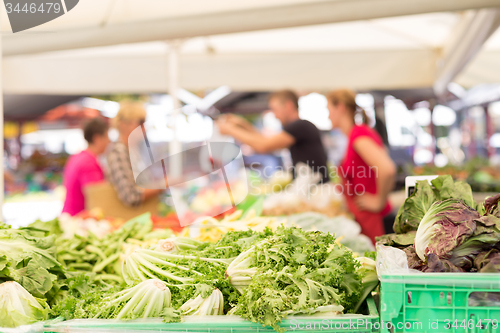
{"x": 427, "y": 74}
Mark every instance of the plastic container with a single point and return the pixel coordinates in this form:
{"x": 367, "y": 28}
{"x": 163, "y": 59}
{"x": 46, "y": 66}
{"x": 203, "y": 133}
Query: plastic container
{"x": 440, "y": 302}
{"x": 358, "y": 323}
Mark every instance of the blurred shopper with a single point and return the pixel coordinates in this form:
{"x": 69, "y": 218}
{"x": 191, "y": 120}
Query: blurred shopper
{"x": 120, "y": 174}
{"x": 83, "y": 168}
{"x": 367, "y": 170}
{"x": 300, "y": 136}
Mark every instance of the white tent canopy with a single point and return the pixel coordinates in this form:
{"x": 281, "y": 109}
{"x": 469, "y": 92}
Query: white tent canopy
{"x": 336, "y": 43}
{"x": 109, "y": 22}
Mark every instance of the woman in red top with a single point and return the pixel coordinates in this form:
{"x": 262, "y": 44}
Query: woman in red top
{"x": 367, "y": 170}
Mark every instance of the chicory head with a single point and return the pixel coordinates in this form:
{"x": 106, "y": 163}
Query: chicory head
{"x": 446, "y": 225}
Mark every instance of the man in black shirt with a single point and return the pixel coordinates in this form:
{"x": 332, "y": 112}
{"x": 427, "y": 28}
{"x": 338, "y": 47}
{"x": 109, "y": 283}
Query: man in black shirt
{"x": 301, "y": 137}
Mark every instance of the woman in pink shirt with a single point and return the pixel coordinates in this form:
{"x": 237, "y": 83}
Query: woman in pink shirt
{"x": 83, "y": 168}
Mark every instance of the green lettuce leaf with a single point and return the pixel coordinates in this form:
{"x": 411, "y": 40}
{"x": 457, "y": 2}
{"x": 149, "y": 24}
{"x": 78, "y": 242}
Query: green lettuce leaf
{"x": 29, "y": 261}
{"x": 294, "y": 271}
{"x": 446, "y": 188}
{"x": 416, "y": 206}
{"x": 41, "y": 229}
{"x": 397, "y": 240}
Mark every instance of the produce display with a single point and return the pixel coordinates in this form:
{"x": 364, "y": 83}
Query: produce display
{"x": 348, "y": 232}
{"x": 442, "y": 229}
{"x": 136, "y": 272}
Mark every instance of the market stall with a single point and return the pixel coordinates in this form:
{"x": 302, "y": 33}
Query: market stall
{"x": 254, "y": 270}
{"x": 81, "y": 274}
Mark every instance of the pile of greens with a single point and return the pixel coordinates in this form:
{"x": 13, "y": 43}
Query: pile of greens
{"x": 261, "y": 276}
{"x": 442, "y": 229}
{"x": 293, "y": 271}
{"x": 102, "y": 255}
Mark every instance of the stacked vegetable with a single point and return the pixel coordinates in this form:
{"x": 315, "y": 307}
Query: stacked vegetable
{"x": 211, "y": 229}
{"x": 442, "y": 229}
{"x": 262, "y": 275}
{"x": 28, "y": 257}
{"x": 102, "y": 255}
{"x": 34, "y": 276}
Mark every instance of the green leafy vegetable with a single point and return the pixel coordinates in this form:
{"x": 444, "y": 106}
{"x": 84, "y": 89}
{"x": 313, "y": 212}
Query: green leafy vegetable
{"x": 415, "y": 206}
{"x": 18, "y": 307}
{"x": 40, "y": 228}
{"x": 102, "y": 255}
{"x": 29, "y": 260}
{"x": 210, "y": 305}
{"x": 397, "y": 240}
{"x": 293, "y": 271}
{"x": 143, "y": 263}
{"x": 454, "y": 233}
{"x": 147, "y": 299}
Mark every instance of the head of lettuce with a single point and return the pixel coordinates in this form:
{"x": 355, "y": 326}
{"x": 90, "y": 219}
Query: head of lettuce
{"x": 19, "y": 307}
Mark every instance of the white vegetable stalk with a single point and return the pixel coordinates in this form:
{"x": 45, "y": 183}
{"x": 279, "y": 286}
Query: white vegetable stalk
{"x": 239, "y": 271}
{"x": 368, "y": 271}
{"x": 367, "y": 264}
{"x": 213, "y": 305}
{"x": 147, "y": 299}
{"x": 425, "y": 231}
{"x": 143, "y": 264}
{"x": 19, "y": 307}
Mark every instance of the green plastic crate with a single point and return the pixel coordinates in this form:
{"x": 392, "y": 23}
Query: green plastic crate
{"x": 438, "y": 302}
{"x": 368, "y": 323}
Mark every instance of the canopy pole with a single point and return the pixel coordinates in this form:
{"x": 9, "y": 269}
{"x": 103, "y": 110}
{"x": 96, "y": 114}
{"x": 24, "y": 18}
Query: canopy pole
{"x": 465, "y": 42}
{"x": 2, "y": 187}
{"x": 175, "y": 164}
